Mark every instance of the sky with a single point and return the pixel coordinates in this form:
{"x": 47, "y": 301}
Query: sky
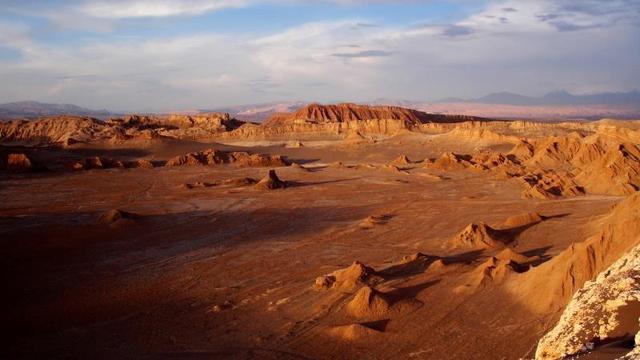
{"x": 162, "y": 55}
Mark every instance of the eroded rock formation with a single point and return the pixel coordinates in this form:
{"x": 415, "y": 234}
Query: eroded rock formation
{"x": 604, "y": 309}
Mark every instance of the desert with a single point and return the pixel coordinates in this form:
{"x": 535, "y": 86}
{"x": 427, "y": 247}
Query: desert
{"x": 320, "y": 179}
{"x": 385, "y": 233}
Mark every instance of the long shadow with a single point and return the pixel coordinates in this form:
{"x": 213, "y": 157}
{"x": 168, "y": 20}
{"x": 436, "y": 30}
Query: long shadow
{"x": 50, "y": 161}
{"x": 111, "y": 153}
{"x": 540, "y": 253}
{"x": 399, "y": 294}
{"x": 414, "y": 267}
{"x": 55, "y": 253}
{"x": 301, "y": 161}
{"x": 379, "y": 325}
{"x": 611, "y": 348}
{"x": 509, "y": 235}
{"x": 466, "y": 257}
{"x": 551, "y": 217}
{"x": 512, "y": 233}
{"x": 295, "y": 184}
{"x": 316, "y": 168}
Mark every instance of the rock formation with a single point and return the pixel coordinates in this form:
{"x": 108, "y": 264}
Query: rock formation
{"x": 496, "y": 270}
{"x": 116, "y": 217}
{"x": 510, "y": 255}
{"x": 143, "y": 164}
{"x": 452, "y": 161}
{"x": 551, "y": 285}
{"x": 479, "y": 236}
{"x": 243, "y": 181}
{"x": 271, "y": 182}
{"x": 368, "y": 302}
{"x": 374, "y": 220}
{"x": 348, "y": 279}
{"x": 217, "y": 157}
{"x": 68, "y": 130}
{"x": 550, "y": 184}
{"x": 316, "y": 113}
{"x": 57, "y": 130}
{"x": 559, "y": 166}
{"x": 17, "y": 163}
{"x": 616, "y": 172}
{"x": 96, "y": 162}
{"x": 605, "y": 308}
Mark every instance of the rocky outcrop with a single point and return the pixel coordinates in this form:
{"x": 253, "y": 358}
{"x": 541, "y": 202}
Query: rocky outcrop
{"x": 452, "y": 161}
{"x": 96, "y": 162}
{"x": 548, "y": 184}
{"x": 374, "y": 220}
{"x": 368, "y": 302}
{"x": 614, "y": 172}
{"x": 402, "y": 160}
{"x": 217, "y": 157}
{"x": 559, "y": 166}
{"x": 17, "y": 163}
{"x": 117, "y": 217}
{"x": 479, "y": 236}
{"x": 348, "y": 279}
{"x": 595, "y": 164}
{"x": 271, "y": 182}
{"x": 606, "y": 308}
{"x": 198, "y": 126}
{"x": 495, "y": 270}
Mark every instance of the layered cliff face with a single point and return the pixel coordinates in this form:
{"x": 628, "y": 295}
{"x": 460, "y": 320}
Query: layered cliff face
{"x": 341, "y": 113}
{"x": 340, "y": 119}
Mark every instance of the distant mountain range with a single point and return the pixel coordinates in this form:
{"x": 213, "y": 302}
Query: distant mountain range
{"x": 34, "y": 109}
{"x": 555, "y": 98}
{"x": 259, "y": 112}
{"x": 556, "y": 104}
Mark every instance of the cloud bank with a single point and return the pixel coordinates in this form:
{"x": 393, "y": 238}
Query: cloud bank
{"x": 529, "y": 47}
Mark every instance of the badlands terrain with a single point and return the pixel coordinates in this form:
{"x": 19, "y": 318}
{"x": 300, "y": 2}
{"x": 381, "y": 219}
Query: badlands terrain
{"x": 336, "y": 231}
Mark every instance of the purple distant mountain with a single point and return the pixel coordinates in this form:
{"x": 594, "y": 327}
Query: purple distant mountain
{"x": 34, "y": 109}
{"x": 559, "y": 97}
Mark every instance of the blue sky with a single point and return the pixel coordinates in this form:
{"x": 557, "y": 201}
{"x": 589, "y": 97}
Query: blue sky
{"x": 166, "y": 55}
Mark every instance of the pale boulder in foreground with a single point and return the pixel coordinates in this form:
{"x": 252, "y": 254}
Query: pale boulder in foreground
{"x": 605, "y": 308}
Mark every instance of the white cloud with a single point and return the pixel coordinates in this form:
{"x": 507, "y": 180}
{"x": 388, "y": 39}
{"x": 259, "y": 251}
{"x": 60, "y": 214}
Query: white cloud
{"x": 122, "y": 9}
{"x": 509, "y": 45}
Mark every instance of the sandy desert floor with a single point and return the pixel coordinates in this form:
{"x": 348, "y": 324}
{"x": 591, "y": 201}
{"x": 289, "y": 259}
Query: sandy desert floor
{"x": 229, "y": 271}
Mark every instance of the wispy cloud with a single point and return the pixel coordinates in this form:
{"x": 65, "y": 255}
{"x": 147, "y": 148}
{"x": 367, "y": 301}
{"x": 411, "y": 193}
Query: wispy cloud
{"x": 363, "y": 54}
{"x": 122, "y": 9}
